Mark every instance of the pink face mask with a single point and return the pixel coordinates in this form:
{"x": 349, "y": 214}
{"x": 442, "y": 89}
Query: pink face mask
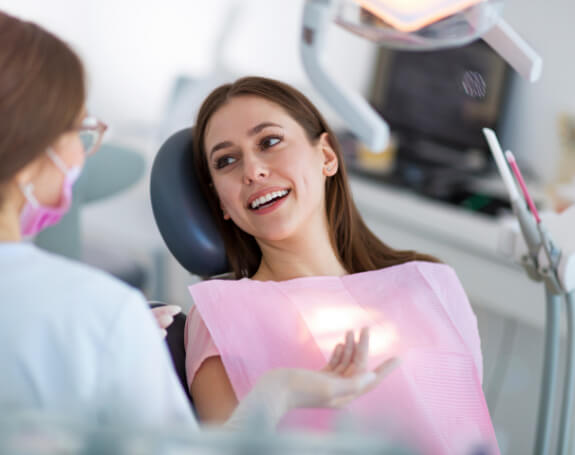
{"x": 36, "y": 217}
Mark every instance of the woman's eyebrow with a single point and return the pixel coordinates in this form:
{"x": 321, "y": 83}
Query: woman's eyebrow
{"x": 221, "y": 145}
{"x": 256, "y": 129}
{"x": 251, "y": 132}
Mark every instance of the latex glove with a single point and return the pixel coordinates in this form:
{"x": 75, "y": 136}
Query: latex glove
{"x": 165, "y": 316}
{"x": 341, "y": 381}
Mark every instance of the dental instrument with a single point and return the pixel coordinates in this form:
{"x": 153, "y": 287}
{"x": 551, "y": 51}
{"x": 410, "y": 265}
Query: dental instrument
{"x": 552, "y": 262}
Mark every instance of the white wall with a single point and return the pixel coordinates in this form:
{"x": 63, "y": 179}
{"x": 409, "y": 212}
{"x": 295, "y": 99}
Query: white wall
{"x": 133, "y": 49}
{"x": 531, "y": 128}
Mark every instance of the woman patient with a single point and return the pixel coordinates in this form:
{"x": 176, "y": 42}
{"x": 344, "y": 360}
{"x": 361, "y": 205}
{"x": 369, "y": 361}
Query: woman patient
{"x": 307, "y": 268}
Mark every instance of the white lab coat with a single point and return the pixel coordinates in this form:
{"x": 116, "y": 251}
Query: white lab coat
{"x": 74, "y": 341}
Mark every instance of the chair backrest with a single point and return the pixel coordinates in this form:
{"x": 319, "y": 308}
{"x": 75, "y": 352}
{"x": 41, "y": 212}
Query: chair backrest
{"x": 184, "y": 220}
{"x": 181, "y": 211}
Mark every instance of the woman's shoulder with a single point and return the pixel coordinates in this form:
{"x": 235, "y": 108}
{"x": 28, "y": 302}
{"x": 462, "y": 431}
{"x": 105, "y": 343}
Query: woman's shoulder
{"x": 217, "y": 284}
{"x": 211, "y": 291}
{"x": 420, "y": 268}
{"x": 435, "y": 267}
{"x": 438, "y": 270}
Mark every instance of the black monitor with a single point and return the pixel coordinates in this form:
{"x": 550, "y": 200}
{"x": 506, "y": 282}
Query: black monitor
{"x": 445, "y": 96}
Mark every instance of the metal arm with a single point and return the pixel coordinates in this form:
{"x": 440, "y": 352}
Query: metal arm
{"x": 549, "y": 375}
{"x": 569, "y": 385}
{"x": 359, "y": 116}
{"x": 506, "y": 42}
{"x": 545, "y": 261}
{"x": 367, "y": 124}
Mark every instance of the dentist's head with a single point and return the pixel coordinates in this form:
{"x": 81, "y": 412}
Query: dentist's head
{"x": 45, "y": 134}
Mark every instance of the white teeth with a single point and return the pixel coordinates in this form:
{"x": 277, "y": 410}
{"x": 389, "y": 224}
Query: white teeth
{"x": 268, "y": 197}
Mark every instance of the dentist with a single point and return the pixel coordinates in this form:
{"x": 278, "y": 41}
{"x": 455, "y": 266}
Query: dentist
{"x": 73, "y": 340}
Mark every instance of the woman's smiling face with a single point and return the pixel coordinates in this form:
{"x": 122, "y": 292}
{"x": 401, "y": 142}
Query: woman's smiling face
{"x": 268, "y": 175}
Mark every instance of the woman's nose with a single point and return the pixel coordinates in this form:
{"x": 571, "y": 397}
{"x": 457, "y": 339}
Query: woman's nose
{"x": 254, "y": 170}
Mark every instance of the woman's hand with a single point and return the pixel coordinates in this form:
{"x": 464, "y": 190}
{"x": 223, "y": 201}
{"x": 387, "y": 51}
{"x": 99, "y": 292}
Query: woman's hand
{"x": 165, "y": 316}
{"x": 350, "y": 358}
{"x": 343, "y": 379}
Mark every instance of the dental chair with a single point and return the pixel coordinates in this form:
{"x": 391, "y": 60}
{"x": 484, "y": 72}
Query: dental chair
{"x": 185, "y": 223}
{"x": 181, "y": 212}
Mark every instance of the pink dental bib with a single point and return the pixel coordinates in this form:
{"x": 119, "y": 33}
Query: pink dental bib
{"x": 417, "y": 311}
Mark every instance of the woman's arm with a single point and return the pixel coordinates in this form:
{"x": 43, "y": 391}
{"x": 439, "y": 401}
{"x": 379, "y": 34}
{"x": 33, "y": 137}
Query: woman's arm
{"x": 209, "y": 385}
{"x": 212, "y": 392}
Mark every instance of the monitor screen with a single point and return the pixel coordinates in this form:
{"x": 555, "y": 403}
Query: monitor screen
{"x": 446, "y": 96}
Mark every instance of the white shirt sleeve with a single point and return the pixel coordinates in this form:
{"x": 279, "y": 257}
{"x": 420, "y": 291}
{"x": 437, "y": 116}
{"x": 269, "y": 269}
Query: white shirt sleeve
{"x": 139, "y": 386}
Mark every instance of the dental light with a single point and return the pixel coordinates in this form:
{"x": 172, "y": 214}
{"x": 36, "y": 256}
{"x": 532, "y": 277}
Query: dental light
{"x": 406, "y": 25}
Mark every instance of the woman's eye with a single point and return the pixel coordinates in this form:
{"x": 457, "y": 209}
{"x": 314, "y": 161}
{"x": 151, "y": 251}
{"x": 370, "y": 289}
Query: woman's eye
{"x": 270, "y": 141}
{"x": 224, "y": 161}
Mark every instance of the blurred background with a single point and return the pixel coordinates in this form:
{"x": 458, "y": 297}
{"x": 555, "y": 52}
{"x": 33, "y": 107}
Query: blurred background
{"x": 150, "y": 64}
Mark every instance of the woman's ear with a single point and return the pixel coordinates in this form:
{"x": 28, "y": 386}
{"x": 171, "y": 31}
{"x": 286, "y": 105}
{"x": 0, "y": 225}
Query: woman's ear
{"x": 330, "y": 160}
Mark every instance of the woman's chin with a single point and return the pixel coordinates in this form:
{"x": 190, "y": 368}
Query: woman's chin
{"x": 273, "y": 235}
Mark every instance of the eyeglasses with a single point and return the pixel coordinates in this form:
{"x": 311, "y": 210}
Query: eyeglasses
{"x": 91, "y": 132}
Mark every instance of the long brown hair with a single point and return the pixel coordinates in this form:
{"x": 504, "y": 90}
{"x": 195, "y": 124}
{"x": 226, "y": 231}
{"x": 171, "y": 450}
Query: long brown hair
{"x": 358, "y": 248}
{"x": 42, "y": 92}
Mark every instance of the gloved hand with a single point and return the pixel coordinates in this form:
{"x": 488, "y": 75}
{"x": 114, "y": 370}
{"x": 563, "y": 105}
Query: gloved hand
{"x": 165, "y": 316}
{"x": 344, "y": 378}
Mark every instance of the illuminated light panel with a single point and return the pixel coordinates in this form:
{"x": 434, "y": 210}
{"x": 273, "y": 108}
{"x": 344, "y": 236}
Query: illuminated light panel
{"x": 411, "y": 15}
{"x": 328, "y": 319}
{"x": 328, "y": 325}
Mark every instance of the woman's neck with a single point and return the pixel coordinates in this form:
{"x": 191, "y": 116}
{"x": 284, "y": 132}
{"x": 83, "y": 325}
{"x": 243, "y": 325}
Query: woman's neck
{"x": 9, "y": 219}
{"x": 308, "y": 254}
{"x": 9, "y": 228}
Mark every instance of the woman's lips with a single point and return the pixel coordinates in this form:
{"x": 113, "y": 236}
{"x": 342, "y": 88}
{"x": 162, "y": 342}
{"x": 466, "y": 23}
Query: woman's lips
{"x": 270, "y": 205}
